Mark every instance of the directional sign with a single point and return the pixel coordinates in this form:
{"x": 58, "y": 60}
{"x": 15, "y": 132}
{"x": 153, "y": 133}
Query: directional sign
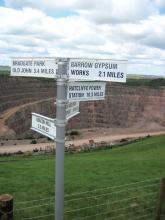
{"x": 34, "y": 67}
{"x": 85, "y": 91}
{"x": 72, "y": 110}
{"x": 44, "y": 125}
{"x": 97, "y": 69}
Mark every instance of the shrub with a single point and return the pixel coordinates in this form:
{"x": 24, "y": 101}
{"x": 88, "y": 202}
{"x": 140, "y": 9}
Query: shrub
{"x": 33, "y": 142}
{"x": 74, "y": 133}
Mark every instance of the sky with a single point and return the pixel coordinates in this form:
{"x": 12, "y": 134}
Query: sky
{"x": 132, "y": 30}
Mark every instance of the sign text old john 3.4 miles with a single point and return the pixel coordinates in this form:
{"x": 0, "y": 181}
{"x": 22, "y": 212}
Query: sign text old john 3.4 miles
{"x": 34, "y": 67}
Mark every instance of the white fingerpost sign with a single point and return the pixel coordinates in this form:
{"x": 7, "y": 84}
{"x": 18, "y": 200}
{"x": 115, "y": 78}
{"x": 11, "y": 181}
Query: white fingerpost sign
{"x": 44, "y": 125}
{"x": 97, "y": 69}
{"x": 72, "y": 109}
{"x": 76, "y": 70}
{"x": 34, "y": 67}
{"x": 86, "y": 91}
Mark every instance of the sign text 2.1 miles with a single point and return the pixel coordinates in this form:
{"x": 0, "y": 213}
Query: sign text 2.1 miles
{"x": 97, "y": 69}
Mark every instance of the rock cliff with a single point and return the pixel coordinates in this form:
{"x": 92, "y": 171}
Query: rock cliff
{"x": 124, "y": 106}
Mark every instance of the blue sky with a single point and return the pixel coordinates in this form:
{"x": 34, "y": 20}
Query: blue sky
{"x": 2, "y": 2}
{"x": 111, "y": 29}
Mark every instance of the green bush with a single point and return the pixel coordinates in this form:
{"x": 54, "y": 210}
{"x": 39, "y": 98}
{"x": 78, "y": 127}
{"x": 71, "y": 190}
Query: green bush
{"x": 72, "y": 133}
{"x": 33, "y": 142}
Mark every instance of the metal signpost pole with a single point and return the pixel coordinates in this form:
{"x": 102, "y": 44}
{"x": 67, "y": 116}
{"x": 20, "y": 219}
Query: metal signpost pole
{"x": 60, "y": 139}
{"x": 76, "y": 69}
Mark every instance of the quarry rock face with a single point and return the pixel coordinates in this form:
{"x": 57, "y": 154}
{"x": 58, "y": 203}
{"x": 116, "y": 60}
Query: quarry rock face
{"x": 124, "y": 106}
{"x": 16, "y": 91}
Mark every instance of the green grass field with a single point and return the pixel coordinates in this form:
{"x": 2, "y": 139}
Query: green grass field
{"x": 133, "y": 82}
{"x": 32, "y": 178}
{"x": 147, "y": 82}
{"x": 4, "y": 73}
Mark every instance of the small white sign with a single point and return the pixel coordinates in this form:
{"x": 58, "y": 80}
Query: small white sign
{"x": 44, "y": 125}
{"x": 34, "y": 67}
{"x": 72, "y": 110}
{"x": 97, "y": 69}
{"x": 85, "y": 91}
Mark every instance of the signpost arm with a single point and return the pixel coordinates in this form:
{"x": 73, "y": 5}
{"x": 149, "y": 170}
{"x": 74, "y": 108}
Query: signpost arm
{"x": 60, "y": 139}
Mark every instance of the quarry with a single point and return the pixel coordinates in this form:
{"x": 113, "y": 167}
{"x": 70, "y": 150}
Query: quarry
{"x": 126, "y": 108}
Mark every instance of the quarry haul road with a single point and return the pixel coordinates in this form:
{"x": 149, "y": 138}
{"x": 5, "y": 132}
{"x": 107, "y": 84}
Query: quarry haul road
{"x": 78, "y": 142}
{"x": 3, "y": 128}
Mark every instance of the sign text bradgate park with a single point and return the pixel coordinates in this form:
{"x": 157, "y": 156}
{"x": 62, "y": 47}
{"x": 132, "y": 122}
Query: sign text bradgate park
{"x": 64, "y": 70}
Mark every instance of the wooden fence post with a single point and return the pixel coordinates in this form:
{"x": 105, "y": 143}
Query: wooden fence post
{"x": 161, "y": 200}
{"x": 6, "y": 207}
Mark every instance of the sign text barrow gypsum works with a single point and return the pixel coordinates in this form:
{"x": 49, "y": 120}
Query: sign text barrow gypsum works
{"x": 44, "y": 125}
{"x": 34, "y": 67}
{"x": 85, "y": 91}
{"x": 93, "y": 69}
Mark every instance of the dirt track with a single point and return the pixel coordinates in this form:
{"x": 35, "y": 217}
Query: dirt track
{"x": 3, "y": 128}
{"x": 140, "y": 129}
{"x": 107, "y": 138}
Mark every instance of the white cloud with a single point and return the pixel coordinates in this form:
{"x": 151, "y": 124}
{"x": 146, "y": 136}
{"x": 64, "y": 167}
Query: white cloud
{"x": 34, "y": 29}
{"x": 135, "y": 33}
{"x": 160, "y": 3}
{"x": 42, "y": 4}
{"x": 117, "y": 11}
{"x": 149, "y": 32}
{"x": 101, "y": 11}
{"x": 26, "y": 22}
